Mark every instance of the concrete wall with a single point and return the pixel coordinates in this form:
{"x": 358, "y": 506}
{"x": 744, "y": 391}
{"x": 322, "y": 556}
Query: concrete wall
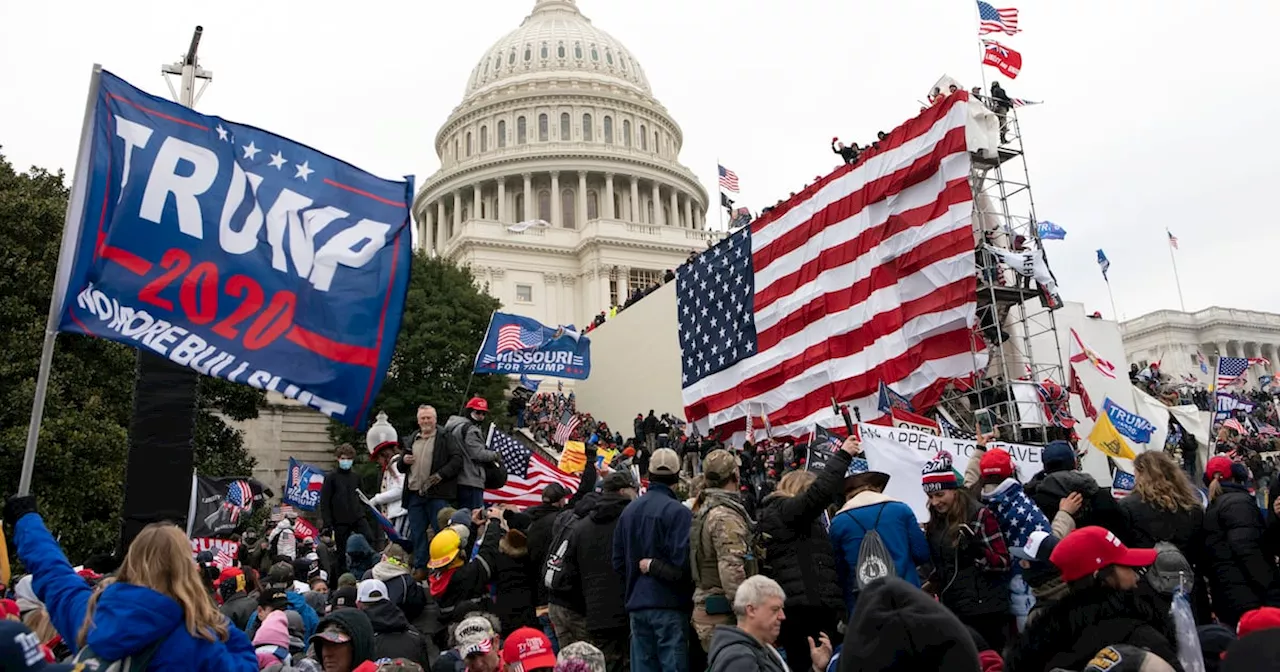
{"x": 282, "y": 430}
{"x": 635, "y": 363}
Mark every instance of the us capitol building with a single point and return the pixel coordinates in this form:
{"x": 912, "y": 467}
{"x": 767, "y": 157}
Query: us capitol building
{"x": 560, "y": 183}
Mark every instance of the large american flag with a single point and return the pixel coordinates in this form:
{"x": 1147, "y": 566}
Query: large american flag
{"x": 516, "y": 337}
{"x": 526, "y": 491}
{"x": 728, "y": 179}
{"x": 866, "y": 276}
{"x": 515, "y": 456}
{"x": 1231, "y": 372}
{"x": 564, "y": 429}
{"x": 992, "y": 20}
{"x": 239, "y": 499}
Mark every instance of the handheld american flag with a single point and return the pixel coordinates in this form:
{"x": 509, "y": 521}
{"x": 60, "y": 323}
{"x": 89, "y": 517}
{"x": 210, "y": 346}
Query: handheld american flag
{"x": 515, "y": 457}
{"x": 564, "y": 430}
{"x": 867, "y": 275}
{"x": 1230, "y": 373}
{"x": 526, "y": 491}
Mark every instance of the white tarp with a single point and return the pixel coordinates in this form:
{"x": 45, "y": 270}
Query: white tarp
{"x": 901, "y": 453}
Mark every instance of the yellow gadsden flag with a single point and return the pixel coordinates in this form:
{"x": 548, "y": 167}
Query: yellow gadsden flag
{"x": 574, "y": 458}
{"x": 1104, "y": 437}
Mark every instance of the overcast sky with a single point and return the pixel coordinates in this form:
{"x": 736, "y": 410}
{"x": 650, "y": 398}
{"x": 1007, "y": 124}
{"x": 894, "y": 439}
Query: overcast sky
{"x": 1146, "y": 123}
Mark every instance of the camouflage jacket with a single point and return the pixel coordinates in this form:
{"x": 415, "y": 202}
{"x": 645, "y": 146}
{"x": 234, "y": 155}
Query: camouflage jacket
{"x": 719, "y": 545}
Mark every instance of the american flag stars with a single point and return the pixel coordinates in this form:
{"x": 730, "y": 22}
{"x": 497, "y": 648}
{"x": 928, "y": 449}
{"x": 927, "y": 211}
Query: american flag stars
{"x": 714, "y": 302}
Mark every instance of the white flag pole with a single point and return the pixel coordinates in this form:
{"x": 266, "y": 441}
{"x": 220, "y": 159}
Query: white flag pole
{"x": 66, "y": 259}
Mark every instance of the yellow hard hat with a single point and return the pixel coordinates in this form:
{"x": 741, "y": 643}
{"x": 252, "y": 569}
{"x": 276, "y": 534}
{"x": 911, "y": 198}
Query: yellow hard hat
{"x": 444, "y": 548}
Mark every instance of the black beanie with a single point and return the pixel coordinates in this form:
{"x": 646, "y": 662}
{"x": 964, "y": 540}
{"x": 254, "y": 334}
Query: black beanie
{"x": 896, "y": 627}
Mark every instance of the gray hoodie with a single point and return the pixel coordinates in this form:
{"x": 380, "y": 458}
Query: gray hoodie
{"x": 733, "y": 650}
{"x": 474, "y": 451}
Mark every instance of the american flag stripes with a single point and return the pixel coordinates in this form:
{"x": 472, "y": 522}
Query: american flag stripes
{"x": 526, "y": 491}
{"x": 515, "y": 456}
{"x": 564, "y": 429}
{"x": 1173, "y": 240}
{"x": 1231, "y": 373}
{"x": 1022, "y": 102}
{"x": 728, "y": 179}
{"x": 1122, "y": 484}
{"x": 992, "y": 20}
{"x": 223, "y": 559}
{"x": 515, "y": 337}
{"x": 867, "y": 275}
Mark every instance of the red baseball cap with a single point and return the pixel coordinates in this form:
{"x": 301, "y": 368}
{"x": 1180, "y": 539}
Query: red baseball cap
{"x": 528, "y": 648}
{"x": 996, "y": 462}
{"x": 1089, "y": 549}
{"x": 1262, "y": 618}
{"x": 478, "y": 404}
{"x": 1218, "y": 466}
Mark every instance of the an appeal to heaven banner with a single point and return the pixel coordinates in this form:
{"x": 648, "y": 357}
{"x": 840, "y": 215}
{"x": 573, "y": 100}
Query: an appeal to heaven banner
{"x": 236, "y": 252}
{"x": 901, "y": 453}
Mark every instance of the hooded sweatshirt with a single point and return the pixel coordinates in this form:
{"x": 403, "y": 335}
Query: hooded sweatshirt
{"x": 733, "y": 650}
{"x": 272, "y": 640}
{"x": 128, "y": 618}
{"x": 393, "y": 637}
{"x": 355, "y": 623}
{"x": 896, "y": 627}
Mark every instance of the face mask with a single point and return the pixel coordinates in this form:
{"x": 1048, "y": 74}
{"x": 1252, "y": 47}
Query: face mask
{"x": 345, "y": 464}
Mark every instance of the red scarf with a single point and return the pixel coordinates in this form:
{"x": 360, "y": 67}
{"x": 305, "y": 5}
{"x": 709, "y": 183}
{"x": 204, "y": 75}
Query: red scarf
{"x": 439, "y": 581}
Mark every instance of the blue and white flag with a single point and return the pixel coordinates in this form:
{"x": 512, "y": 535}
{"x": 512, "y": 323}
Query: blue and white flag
{"x": 233, "y": 251}
{"x": 528, "y": 383}
{"x": 888, "y": 400}
{"x": 1104, "y": 264}
{"x": 302, "y": 485}
{"x": 516, "y": 344}
{"x": 1050, "y": 231}
{"x": 1122, "y": 484}
{"x": 1130, "y": 425}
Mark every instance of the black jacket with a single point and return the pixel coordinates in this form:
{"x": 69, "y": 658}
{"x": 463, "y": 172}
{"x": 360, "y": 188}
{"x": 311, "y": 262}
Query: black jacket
{"x": 514, "y": 577}
{"x": 967, "y": 589}
{"x": 446, "y": 462}
{"x": 466, "y": 589}
{"x": 1100, "y": 507}
{"x": 603, "y": 590}
{"x": 733, "y": 650}
{"x": 1147, "y": 525}
{"x": 561, "y": 530}
{"x": 544, "y": 517}
{"x": 339, "y": 502}
{"x": 1071, "y": 632}
{"x": 797, "y": 549}
{"x": 1241, "y": 575}
{"x": 239, "y": 608}
{"x": 393, "y": 637}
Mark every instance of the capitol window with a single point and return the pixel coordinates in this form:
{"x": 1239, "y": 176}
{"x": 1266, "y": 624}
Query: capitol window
{"x": 595, "y": 54}
{"x": 608, "y": 56}
{"x": 577, "y": 50}
{"x": 560, "y": 50}
{"x": 497, "y": 63}
{"x": 643, "y": 279}
{"x": 608, "y": 130}
{"x": 544, "y": 205}
{"x": 528, "y": 53}
{"x": 484, "y": 138}
{"x": 545, "y": 51}
{"x": 468, "y": 143}
{"x": 626, "y": 132}
{"x": 502, "y": 134}
{"x": 542, "y": 128}
{"x": 568, "y": 211}
{"x": 565, "y": 131}
{"x": 511, "y": 60}
{"x": 586, "y": 127}
{"x": 524, "y": 293}
{"x": 521, "y": 131}
{"x": 593, "y": 205}
{"x": 623, "y": 61}
{"x": 644, "y": 138}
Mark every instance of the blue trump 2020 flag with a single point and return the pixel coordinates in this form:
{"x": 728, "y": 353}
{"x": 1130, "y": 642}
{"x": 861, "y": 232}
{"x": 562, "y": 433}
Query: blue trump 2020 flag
{"x": 522, "y": 345}
{"x": 234, "y": 251}
{"x": 1131, "y": 425}
{"x": 1049, "y": 231}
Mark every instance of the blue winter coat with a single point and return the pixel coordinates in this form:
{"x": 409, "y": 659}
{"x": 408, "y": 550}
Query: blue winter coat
{"x": 128, "y": 618}
{"x": 655, "y": 526}
{"x": 898, "y": 529}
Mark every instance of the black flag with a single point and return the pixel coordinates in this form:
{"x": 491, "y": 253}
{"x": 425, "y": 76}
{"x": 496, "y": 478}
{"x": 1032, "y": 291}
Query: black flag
{"x": 224, "y": 505}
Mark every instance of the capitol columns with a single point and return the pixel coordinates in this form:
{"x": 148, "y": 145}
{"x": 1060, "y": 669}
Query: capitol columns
{"x": 528, "y": 198}
{"x": 609, "y": 212}
{"x": 580, "y": 217}
{"x": 675, "y": 208}
{"x": 551, "y": 282}
{"x": 457, "y": 211}
{"x": 442, "y": 235}
{"x": 688, "y": 212}
{"x": 475, "y": 202}
{"x": 557, "y": 217}
{"x": 657, "y": 204}
{"x": 635, "y": 200}
{"x": 502, "y": 200}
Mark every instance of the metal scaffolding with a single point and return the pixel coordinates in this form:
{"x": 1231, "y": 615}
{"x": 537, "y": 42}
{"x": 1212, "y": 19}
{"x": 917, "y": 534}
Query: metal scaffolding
{"x": 1013, "y": 312}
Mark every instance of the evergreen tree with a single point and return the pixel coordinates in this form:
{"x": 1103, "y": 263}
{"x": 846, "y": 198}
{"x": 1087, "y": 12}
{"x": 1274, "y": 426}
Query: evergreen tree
{"x": 79, "y": 476}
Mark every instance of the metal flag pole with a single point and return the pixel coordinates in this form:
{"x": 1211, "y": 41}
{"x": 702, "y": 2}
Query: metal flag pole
{"x": 720, "y": 192}
{"x": 1176, "y": 281}
{"x": 62, "y": 278}
{"x": 1114, "y": 313}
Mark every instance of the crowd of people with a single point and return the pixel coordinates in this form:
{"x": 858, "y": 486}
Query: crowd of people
{"x": 719, "y": 559}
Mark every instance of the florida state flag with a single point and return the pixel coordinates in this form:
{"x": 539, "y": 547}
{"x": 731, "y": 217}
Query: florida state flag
{"x": 1002, "y": 58}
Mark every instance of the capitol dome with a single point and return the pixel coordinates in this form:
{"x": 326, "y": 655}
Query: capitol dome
{"x": 560, "y": 182}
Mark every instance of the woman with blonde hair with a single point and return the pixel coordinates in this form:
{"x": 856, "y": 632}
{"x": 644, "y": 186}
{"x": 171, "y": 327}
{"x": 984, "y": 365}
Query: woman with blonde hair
{"x": 1164, "y": 507}
{"x": 154, "y": 611}
{"x": 799, "y": 556}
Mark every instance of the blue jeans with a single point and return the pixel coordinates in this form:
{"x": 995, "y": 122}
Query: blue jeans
{"x": 423, "y": 513}
{"x": 470, "y": 498}
{"x": 658, "y": 641}
{"x": 544, "y": 622}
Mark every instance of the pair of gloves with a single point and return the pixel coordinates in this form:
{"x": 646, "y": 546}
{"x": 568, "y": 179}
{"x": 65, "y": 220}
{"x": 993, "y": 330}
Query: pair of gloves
{"x": 18, "y": 506}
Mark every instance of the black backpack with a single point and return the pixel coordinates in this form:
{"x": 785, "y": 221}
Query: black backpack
{"x": 874, "y": 560}
{"x": 89, "y": 661}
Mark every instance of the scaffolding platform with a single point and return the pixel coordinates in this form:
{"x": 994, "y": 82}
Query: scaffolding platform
{"x": 1004, "y": 154}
